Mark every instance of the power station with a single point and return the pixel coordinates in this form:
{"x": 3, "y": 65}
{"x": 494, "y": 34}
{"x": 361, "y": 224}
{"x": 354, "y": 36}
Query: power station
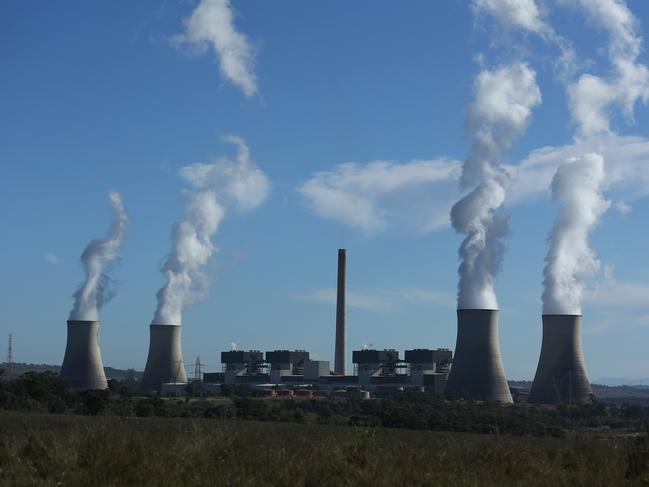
{"x": 476, "y": 371}
{"x": 82, "y": 367}
{"x": 374, "y": 370}
{"x": 561, "y": 374}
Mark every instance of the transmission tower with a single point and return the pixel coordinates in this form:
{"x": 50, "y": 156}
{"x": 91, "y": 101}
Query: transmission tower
{"x": 197, "y": 369}
{"x": 10, "y": 354}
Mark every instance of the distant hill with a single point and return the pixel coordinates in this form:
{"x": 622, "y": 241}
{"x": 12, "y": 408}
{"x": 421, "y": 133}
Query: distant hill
{"x": 18, "y": 369}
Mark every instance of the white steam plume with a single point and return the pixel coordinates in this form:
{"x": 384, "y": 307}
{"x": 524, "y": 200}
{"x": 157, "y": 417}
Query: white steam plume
{"x": 212, "y": 23}
{"x": 95, "y": 290}
{"x": 500, "y": 112}
{"x": 217, "y": 187}
{"x": 526, "y": 16}
{"x": 591, "y": 97}
{"x": 578, "y": 185}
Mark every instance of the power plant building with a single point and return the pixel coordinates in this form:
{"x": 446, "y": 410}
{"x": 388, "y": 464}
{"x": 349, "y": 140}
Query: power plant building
{"x": 375, "y": 370}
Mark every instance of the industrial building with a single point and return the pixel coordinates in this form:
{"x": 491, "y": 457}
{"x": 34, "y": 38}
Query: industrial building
{"x": 374, "y": 370}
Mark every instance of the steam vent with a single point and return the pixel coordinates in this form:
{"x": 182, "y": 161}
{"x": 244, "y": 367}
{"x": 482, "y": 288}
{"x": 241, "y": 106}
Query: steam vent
{"x": 82, "y": 366}
{"x": 165, "y": 361}
{"x": 477, "y": 371}
{"x": 561, "y": 373}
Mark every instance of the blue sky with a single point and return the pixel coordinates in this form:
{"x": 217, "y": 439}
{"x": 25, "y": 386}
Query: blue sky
{"x": 96, "y": 97}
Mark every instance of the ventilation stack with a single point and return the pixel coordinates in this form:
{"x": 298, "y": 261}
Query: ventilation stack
{"x": 341, "y": 318}
{"x": 82, "y": 366}
{"x": 165, "y": 361}
{"x": 561, "y": 374}
{"x": 477, "y": 371}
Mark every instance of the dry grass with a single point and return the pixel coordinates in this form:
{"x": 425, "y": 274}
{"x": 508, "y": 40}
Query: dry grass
{"x": 76, "y": 450}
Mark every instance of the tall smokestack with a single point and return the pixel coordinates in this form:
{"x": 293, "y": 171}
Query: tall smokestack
{"x": 165, "y": 360}
{"x": 82, "y": 366}
{"x": 341, "y": 318}
{"x": 561, "y": 374}
{"x": 477, "y": 371}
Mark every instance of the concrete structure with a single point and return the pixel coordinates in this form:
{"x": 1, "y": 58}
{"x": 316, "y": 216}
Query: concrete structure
{"x": 425, "y": 363}
{"x": 477, "y": 371}
{"x": 82, "y": 366}
{"x": 286, "y": 363}
{"x": 561, "y": 373}
{"x": 314, "y": 369}
{"x": 165, "y": 361}
{"x": 340, "y": 367}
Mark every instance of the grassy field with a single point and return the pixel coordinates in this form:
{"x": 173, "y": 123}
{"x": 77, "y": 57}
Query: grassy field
{"x": 71, "y": 450}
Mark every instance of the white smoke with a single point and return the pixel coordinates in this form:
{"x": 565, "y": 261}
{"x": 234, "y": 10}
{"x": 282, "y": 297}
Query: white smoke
{"x": 95, "y": 290}
{"x": 526, "y": 16}
{"x": 591, "y": 97}
{"x": 500, "y": 112}
{"x": 218, "y": 187}
{"x": 578, "y": 185}
{"x": 578, "y": 182}
{"x": 212, "y": 23}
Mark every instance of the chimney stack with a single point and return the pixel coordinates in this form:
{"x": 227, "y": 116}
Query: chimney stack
{"x": 82, "y": 367}
{"x": 561, "y": 374}
{"x": 165, "y": 360}
{"x": 477, "y": 371}
{"x": 341, "y": 318}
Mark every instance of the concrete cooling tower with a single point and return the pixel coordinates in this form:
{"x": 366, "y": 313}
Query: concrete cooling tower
{"x": 477, "y": 371}
{"x": 561, "y": 374}
{"x": 82, "y": 366}
{"x": 165, "y": 360}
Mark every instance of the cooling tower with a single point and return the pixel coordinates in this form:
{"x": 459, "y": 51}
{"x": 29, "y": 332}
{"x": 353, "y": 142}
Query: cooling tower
{"x": 477, "y": 371}
{"x": 82, "y": 367}
{"x": 341, "y": 323}
{"x": 561, "y": 373}
{"x": 165, "y": 360}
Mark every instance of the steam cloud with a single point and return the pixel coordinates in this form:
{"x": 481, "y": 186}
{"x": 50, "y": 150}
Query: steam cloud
{"x": 219, "y": 186}
{"x": 212, "y": 24}
{"x": 95, "y": 290}
{"x": 578, "y": 184}
{"x": 591, "y": 97}
{"x": 500, "y": 112}
{"x": 526, "y": 16}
